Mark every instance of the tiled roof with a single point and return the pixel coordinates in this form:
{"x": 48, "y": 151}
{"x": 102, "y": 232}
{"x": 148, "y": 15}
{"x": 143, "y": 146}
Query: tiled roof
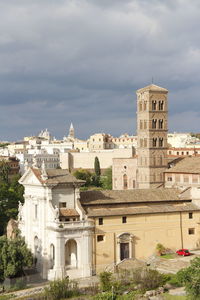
{"x": 153, "y": 88}
{"x": 129, "y": 196}
{"x": 56, "y": 176}
{"x": 147, "y": 209}
{"x": 67, "y": 212}
{"x": 189, "y": 164}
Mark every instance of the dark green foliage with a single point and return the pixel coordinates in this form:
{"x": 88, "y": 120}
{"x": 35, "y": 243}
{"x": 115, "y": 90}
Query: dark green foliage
{"x": 190, "y": 278}
{"x": 14, "y": 257}
{"x": 105, "y": 296}
{"x": 97, "y": 169}
{"x": 10, "y": 195}
{"x": 172, "y": 279}
{"x": 61, "y": 289}
{"x": 84, "y": 175}
{"x": 4, "y": 171}
{"x": 106, "y": 179}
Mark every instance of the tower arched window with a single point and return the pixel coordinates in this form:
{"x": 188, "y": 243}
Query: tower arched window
{"x": 154, "y": 121}
{"x": 160, "y": 124}
{"x": 160, "y": 142}
{"x": 141, "y": 124}
{"x": 161, "y": 105}
{"x": 154, "y": 142}
{"x": 140, "y": 106}
{"x": 154, "y": 105}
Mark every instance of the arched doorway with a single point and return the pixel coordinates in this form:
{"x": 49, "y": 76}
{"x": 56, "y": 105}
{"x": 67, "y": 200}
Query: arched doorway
{"x": 125, "y": 246}
{"x": 71, "y": 254}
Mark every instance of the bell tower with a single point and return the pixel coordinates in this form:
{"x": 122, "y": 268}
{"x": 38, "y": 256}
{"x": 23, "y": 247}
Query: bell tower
{"x": 152, "y": 129}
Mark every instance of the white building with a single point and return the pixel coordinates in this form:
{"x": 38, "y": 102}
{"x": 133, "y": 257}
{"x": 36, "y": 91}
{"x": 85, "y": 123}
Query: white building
{"x": 54, "y": 224}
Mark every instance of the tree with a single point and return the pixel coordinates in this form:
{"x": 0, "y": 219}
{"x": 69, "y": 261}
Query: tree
{"x": 4, "y": 171}
{"x": 106, "y": 179}
{"x": 14, "y": 257}
{"x": 97, "y": 172}
{"x": 190, "y": 278}
{"x": 83, "y": 175}
{"x": 97, "y": 169}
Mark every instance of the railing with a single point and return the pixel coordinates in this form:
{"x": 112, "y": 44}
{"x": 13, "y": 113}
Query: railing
{"x": 71, "y": 224}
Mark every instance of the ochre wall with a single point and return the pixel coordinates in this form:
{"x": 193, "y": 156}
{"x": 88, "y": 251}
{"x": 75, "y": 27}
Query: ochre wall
{"x": 147, "y": 231}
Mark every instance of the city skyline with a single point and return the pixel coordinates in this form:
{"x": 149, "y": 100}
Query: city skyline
{"x": 82, "y": 61}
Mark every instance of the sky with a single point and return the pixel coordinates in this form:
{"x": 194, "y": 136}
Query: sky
{"x": 81, "y": 61}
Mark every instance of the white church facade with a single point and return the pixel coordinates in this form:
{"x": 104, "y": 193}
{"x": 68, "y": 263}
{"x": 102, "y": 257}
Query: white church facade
{"x": 54, "y": 224}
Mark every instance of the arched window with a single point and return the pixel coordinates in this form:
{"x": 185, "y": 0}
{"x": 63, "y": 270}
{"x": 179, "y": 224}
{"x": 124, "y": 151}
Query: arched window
{"x": 153, "y": 105}
{"x": 125, "y": 182}
{"x": 52, "y": 256}
{"x": 161, "y": 105}
{"x": 160, "y": 142}
{"x": 154, "y": 121}
{"x": 154, "y": 142}
{"x": 160, "y": 124}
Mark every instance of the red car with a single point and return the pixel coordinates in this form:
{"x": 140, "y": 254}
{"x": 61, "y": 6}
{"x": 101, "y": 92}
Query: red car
{"x": 184, "y": 252}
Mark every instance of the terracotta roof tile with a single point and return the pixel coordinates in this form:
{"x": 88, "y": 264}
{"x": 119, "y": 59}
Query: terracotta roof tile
{"x": 186, "y": 165}
{"x": 67, "y": 212}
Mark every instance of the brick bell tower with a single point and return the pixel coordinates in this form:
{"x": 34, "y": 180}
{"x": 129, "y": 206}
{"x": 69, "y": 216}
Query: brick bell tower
{"x": 152, "y": 129}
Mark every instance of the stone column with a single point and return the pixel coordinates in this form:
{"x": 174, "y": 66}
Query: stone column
{"x": 59, "y": 266}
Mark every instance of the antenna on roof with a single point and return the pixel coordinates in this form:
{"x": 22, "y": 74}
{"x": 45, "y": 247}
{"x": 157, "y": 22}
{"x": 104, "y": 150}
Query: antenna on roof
{"x": 152, "y": 80}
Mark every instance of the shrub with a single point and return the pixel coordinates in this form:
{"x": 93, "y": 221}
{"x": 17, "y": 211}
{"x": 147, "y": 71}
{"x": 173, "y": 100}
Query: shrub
{"x": 148, "y": 279}
{"x": 105, "y": 296}
{"x": 105, "y": 281}
{"x": 60, "y": 289}
{"x": 160, "y": 249}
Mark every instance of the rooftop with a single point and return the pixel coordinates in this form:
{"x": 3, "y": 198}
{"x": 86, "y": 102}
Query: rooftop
{"x": 187, "y": 164}
{"x": 129, "y": 196}
{"x": 152, "y": 88}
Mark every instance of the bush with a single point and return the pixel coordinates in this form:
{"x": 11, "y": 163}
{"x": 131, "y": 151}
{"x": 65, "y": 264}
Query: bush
{"x": 172, "y": 279}
{"x": 160, "y": 249}
{"x": 60, "y": 289}
{"x": 105, "y": 281}
{"x": 148, "y": 279}
{"x": 105, "y": 296}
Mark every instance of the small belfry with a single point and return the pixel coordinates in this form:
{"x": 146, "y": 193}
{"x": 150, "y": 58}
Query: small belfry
{"x": 152, "y": 129}
{"x": 71, "y": 132}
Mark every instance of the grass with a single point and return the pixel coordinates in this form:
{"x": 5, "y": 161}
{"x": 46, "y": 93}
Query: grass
{"x": 169, "y": 256}
{"x": 172, "y": 297}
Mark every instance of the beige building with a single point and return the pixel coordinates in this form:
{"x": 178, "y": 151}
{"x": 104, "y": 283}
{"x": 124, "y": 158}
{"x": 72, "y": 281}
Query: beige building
{"x": 184, "y": 173}
{"x": 124, "y": 173}
{"x": 129, "y": 224}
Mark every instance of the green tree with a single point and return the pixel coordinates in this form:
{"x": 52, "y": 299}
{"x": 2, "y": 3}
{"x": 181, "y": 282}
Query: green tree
{"x": 97, "y": 169}
{"x": 106, "y": 179}
{"x": 4, "y": 171}
{"x": 84, "y": 175}
{"x": 14, "y": 257}
{"x": 190, "y": 278}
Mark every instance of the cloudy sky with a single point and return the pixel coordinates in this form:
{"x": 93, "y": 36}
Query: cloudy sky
{"x": 81, "y": 61}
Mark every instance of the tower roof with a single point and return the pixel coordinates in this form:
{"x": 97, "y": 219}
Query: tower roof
{"x": 152, "y": 88}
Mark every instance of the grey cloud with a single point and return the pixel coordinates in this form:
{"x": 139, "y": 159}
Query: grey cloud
{"x": 82, "y": 61}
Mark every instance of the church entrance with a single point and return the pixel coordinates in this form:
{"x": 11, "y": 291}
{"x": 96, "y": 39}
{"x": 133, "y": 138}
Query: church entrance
{"x": 124, "y": 250}
{"x": 71, "y": 254}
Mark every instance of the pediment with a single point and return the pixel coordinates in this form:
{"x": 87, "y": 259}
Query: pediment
{"x": 29, "y": 178}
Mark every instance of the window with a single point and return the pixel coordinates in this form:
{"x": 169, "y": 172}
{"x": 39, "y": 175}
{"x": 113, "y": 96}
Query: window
{"x": 190, "y": 215}
{"x": 141, "y": 124}
{"x": 125, "y": 182}
{"x": 141, "y": 143}
{"x": 100, "y": 238}
{"x": 145, "y": 124}
{"x": 161, "y": 105}
{"x": 153, "y": 105}
{"x": 191, "y": 231}
{"x": 62, "y": 204}
{"x": 182, "y": 153}
{"x": 36, "y": 211}
{"x": 145, "y": 142}
{"x": 185, "y": 178}
{"x": 145, "y": 105}
{"x": 140, "y": 106}
{"x": 160, "y": 142}
{"x": 154, "y": 142}
{"x": 124, "y": 219}
{"x": 100, "y": 221}
{"x": 187, "y": 153}
{"x": 160, "y": 124}
{"x": 133, "y": 184}
{"x": 169, "y": 177}
{"x": 154, "y": 123}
